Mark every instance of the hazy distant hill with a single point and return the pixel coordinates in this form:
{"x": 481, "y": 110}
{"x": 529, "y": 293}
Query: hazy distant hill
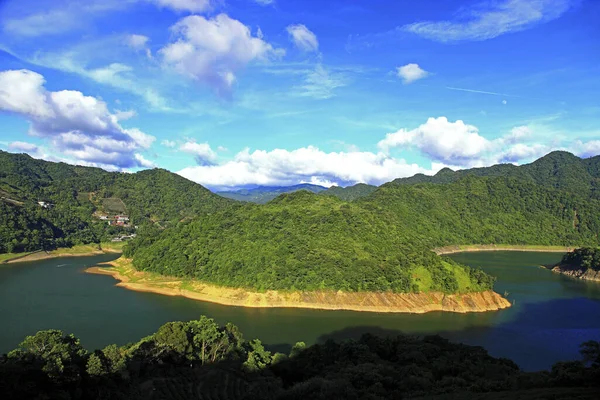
{"x": 264, "y": 194}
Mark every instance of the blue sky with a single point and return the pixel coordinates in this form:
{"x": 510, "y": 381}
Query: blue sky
{"x": 237, "y": 93}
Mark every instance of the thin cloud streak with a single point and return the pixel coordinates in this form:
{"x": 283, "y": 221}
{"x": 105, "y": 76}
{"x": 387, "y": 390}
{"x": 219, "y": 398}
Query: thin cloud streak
{"x": 482, "y": 92}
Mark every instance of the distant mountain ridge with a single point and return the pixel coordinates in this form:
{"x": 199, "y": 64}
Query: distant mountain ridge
{"x": 559, "y": 170}
{"x": 264, "y": 194}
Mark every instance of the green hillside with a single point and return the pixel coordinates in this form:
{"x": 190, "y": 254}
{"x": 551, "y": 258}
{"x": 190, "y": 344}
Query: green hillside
{"x": 379, "y": 243}
{"x": 351, "y": 192}
{"x": 76, "y": 192}
{"x": 559, "y": 170}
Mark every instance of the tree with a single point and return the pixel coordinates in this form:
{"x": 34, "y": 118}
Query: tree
{"x": 60, "y": 356}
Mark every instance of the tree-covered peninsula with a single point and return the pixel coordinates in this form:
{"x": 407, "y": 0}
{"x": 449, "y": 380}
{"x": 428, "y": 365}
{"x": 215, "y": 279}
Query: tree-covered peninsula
{"x": 303, "y": 241}
{"x": 582, "y": 263}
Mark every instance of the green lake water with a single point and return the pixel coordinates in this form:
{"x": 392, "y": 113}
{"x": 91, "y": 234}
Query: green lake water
{"x": 551, "y": 315}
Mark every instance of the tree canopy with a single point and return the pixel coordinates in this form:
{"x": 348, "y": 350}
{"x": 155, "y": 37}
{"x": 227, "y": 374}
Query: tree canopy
{"x": 201, "y": 360}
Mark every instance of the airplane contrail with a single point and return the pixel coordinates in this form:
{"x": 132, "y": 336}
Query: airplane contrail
{"x": 481, "y": 91}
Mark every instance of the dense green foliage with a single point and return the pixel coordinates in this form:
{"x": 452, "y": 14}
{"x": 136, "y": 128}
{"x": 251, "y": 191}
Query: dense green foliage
{"x": 302, "y": 241}
{"x": 201, "y": 360}
{"x": 76, "y": 192}
{"x": 583, "y": 258}
{"x": 264, "y": 194}
{"x": 351, "y": 192}
{"x": 558, "y": 170}
{"x": 379, "y": 243}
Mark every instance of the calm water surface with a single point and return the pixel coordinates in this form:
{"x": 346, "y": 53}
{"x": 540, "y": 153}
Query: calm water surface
{"x": 551, "y": 315}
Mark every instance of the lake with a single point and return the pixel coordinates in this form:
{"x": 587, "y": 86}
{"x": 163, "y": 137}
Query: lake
{"x": 551, "y": 315}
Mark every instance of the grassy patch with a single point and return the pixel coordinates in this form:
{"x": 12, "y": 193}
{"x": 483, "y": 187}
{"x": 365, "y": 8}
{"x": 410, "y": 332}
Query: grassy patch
{"x": 10, "y": 256}
{"x": 113, "y": 205}
{"x": 422, "y": 277}
{"x": 462, "y": 277}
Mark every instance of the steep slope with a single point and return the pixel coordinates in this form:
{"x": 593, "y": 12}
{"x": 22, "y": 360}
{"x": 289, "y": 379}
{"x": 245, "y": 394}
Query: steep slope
{"x": 75, "y": 192}
{"x": 264, "y": 194}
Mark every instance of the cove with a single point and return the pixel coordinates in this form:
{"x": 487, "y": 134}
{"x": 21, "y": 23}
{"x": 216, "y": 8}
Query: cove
{"x": 551, "y": 314}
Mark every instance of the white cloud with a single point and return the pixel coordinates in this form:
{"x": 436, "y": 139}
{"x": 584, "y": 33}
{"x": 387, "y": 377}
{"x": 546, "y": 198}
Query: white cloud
{"x": 143, "y": 162}
{"x": 124, "y": 115}
{"x": 320, "y": 83}
{"x": 411, "y": 72}
{"x": 45, "y": 23}
{"x": 64, "y": 17}
{"x": 446, "y": 144}
{"x": 522, "y": 151}
{"x": 214, "y": 50}
{"x": 303, "y": 38}
{"x": 489, "y": 19}
{"x": 308, "y": 164}
{"x": 518, "y": 133}
{"x": 193, "y": 6}
{"x": 442, "y": 140}
{"x": 116, "y": 75}
{"x": 203, "y": 154}
{"x": 137, "y": 42}
{"x": 23, "y": 147}
{"x": 168, "y": 143}
{"x": 77, "y": 125}
{"x": 586, "y": 149}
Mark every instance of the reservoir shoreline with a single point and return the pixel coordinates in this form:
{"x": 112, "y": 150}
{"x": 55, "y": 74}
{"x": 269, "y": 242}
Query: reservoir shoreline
{"x": 414, "y": 303}
{"x": 492, "y": 247}
{"x": 76, "y": 251}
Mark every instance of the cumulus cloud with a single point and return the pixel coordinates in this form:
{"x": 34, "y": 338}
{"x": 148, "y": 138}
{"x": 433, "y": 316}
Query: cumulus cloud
{"x": 444, "y": 141}
{"x": 185, "y": 5}
{"x": 411, "y": 72}
{"x": 307, "y": 164}
{"x": 489, "y": 19}
{"x": 303, "y": 38}
{"x": 79, "y": 126}
{"x": 586, "y": 149}
{"x": 203, "y": 154}
{"x": 214, "y": 50}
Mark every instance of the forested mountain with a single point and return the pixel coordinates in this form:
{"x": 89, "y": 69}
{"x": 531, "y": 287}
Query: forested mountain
{"x": 202, "y": 360}
{"x": 306, "y": 241}
{"x": 75, "y": 192}
{"x": 379, "y": 243}
{"x": 559, "y": 170}
{"x": 264, "y": 194}
{"x": 351, "y": 192}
